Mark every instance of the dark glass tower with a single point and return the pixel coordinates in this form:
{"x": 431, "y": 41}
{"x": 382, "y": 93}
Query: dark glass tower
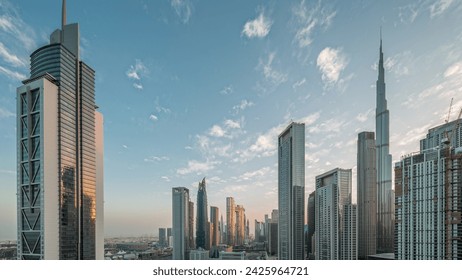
{"x": 57, "y": 73}
{"x": 202, "y": 217}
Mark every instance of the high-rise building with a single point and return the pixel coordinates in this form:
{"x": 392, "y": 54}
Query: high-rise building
{"x": 333, "y": 193}
{"x": 291, "y": 192}
{"x": 60, "y": 149}
{"x": 215, "y": 237}
{"x": 162, "y": 237}
{"x": 180, "y": 223}
{"x": 311, "y": 224}
{"x": 240, "y": 225}
{"x": 230, "y": 221}
{"x": 273, "y": 233}
{"x": 191, "y": 225}
{"x": 366, "y": 195}
{"x": 222, "y": 231}
{"x": 428, "y": 188}
{"x": 202, "y": 217}
{"x": 349, "y": 242}
{"x": 169, "y": 237}
{"x": 385, "y": 211}
{"x": 259, "y": 232}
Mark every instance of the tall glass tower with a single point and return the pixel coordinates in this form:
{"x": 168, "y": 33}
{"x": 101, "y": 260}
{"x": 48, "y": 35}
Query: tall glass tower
{"x": 385, "y": 200}
{"x": 59, "y": 145}
{"x": 202, "y": 218}
{"x": 291, "y": 192}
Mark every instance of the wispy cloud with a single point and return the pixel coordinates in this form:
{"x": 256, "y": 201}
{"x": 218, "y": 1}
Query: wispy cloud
{"x": 439, "y": 7}
{"x": 408, "y": 13}
{"x": 183, "y": 9}
{"x": 153, "y": 118}
{"x": 4, "y": 113}
{"x": 227, "y": 90}
{"x": 156, "y": 159}
{"x": 242, "y": 106}
{"x": 331, "y": 62}
{"x": 310, "y": 18}
{"x": 298, "y": 84}
{"x": 362, "y": 117}
{"x": 259, "y": 27}
{"x": 229, "y": 129}
{"x": 272, "y": 77}
{"x": 12, "y": 74}
{"x": 136, "y": 72}
{"x": 13, "y": 26}
{"x": 165, "y": 178}
{"x": 197, "y": 167}
{"x": 11, "y": 58}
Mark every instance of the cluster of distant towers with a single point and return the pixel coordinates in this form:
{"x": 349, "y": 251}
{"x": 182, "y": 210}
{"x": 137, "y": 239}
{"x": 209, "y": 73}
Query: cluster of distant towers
{"x": 419, "y": 219}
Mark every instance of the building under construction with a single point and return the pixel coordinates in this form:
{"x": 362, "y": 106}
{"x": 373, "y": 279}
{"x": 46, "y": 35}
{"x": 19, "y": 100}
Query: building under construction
{"x": 428, "y": 197}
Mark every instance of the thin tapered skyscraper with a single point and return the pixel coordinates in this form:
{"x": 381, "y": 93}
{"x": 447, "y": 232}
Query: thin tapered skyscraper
{"x": 385, "y": 212}
{"x": 291, "y": 192}
{"x": 60, "y": 151}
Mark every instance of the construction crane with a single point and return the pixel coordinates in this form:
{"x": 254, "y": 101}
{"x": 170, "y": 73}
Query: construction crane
{"x": 456, "y": 124}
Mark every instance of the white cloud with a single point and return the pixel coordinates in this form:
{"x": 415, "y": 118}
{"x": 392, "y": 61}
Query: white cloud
{"x": 439, "y": 7}
{"x": 230, "y": 129}
{"x": 331, "y": 63}
{"x": 217, "y": 131}
{"x": 165, "y": 178}
{"x": 259, "y": 27}
{"x": 330, "y": 125}
{"x": 4, "y": 113}
{"x": 232, "y": 124}
{"x": 136, "y": 72}
{"x": 10, "y": 58}
{"x": 455, "y": 69}
{"x": 183, "y": 9}
{"x": 156, "y": 159}
{"x": 197, "y": 167}
{"x": 153, "y": 118}
{"x": 260, "y": 173}
{"x": 242, "y": 106}
{"x": 408, "y": 13}
{"x": 12, "y": 74}
{"x": 309, "y": 19}
{"x": 125, "y": 146}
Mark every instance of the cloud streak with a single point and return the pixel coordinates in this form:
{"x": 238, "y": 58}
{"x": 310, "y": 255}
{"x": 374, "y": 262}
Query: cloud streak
{"x": 136, "y": 72}
{"x": 183, "y": 9}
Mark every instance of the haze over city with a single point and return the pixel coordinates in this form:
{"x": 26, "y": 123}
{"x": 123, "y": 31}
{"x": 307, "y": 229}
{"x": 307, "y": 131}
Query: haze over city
{"x": 194, "y": 89}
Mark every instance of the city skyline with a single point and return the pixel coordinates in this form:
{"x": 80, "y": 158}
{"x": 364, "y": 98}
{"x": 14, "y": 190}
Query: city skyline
{"x": 153, "y": 92}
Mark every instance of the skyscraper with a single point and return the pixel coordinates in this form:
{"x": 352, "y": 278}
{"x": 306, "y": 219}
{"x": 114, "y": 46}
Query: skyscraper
{"x": 215, "y": 237}
{"x": 180, "y": 223}
{"x": 333, "y": 193}
{"x": 291, "y": 192}
{"x": 230, "y": 221}
{"x": 385, "y": 211}
{"x": 191, "y": 225}
{"x": 162, "y": 237}
{"x": 202, "y": 230}
{"x": 240, "y": 225}
{"x": 60, "y": 151}
{"x": 428, "y": 198}
{"x": 366, "y": 195}
{"x": 311, "y": 224}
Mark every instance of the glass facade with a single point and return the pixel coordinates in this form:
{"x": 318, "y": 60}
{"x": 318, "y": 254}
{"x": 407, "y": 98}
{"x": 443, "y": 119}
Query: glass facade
{"x": 202, "y": 217}
{"x": 291, "y": 192}
{"x": 76, "y": 150}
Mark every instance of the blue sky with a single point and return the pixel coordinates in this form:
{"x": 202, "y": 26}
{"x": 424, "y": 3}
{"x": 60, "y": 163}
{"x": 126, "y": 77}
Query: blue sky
{"x": 202, "y": 88}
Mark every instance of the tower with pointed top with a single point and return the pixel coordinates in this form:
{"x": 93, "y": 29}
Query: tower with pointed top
{"x": 60, "y": 151}
{"x": 202, "y": 230}
{"x": 385, "y": 212}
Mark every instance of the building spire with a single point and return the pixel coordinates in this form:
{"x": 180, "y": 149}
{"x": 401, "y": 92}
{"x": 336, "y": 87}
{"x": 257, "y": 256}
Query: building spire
{"x": 63, "y": 15}
{"x": 381, "y": 67}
